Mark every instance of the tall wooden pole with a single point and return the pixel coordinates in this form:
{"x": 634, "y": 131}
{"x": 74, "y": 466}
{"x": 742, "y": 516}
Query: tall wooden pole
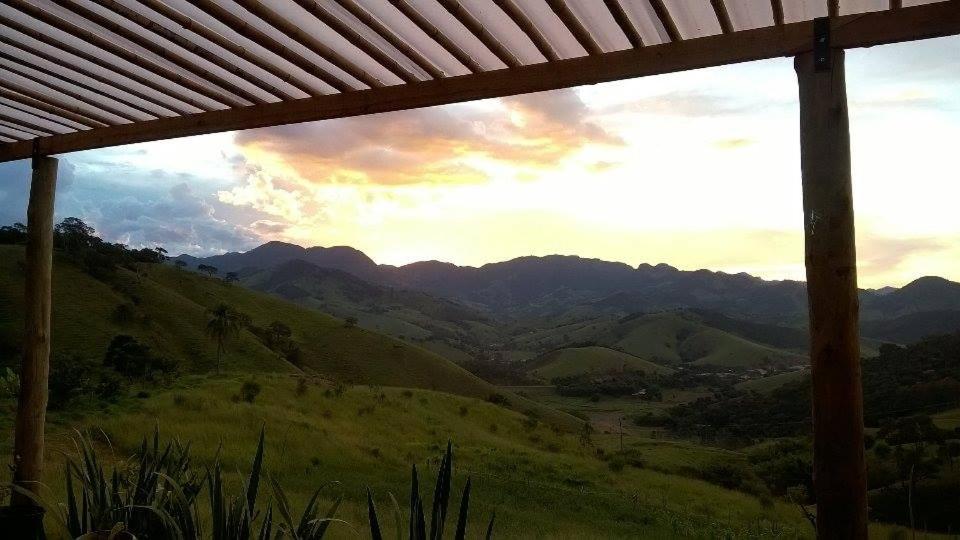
{"x": 32, "y": 405}
{"x": 839, "y": 469}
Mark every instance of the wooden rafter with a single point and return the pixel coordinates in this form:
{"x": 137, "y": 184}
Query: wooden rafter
{"x": 248, "y": 31}
{"x": 476, "y": 28}
{"x": 833, "y": 8}
{"x": 5, "y": 132}
{"x": 167, "y": 53}
{"x": 623, "y": 21}
{"x": 26, "y": 68}
{"x": 847, "y": 31}
{"x": 161, "y": 7}
{"x": 519, "y": 18}
{"x": 112, "y": 48}
{"x": 573, "y": 24}
{"x": 274, "y": 19}
{"x": 47, "y": 117}
{"x": 191, "y": 46}
{"x": 777, "y": 7}
{"x": 71, "y": 51}
{"x": 723, "y": 17}
{"x": 107, "y": 81}
{"x": 896, "y": 4}
{"x": 390, "y": 36}
{"x": 24, "y": 126}
{"x": 26, "y": 96}
{"x": 663, "y": 15}
{"x": 347, "y": 32}
{"x": 97, "y": 106}
{"x": 436, "y": 35}
{"x": 850, "y": 31}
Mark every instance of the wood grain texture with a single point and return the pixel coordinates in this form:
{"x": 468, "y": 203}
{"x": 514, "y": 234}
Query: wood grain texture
{"x": 840, "y": 475}
{"x": 35, "y": 367}
{"x": 862, "y": 30}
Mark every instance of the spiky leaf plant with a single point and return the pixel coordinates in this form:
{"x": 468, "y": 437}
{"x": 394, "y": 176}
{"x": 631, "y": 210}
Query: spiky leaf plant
{"x": 417, "y": 529}
{"x": 153, "y": 493}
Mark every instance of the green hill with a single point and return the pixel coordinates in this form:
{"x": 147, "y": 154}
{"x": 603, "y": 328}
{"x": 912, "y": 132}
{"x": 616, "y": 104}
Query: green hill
{"x": 678, "y": 337}
{"x": 167, "y": 310}
{"x": 540, "y": 482}
{"x": 765, "y": 385}
{"x": 580, "y": 360}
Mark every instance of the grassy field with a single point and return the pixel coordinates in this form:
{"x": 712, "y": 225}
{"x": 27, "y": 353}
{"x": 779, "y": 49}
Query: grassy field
{"x": 768, "y": 384}
{"x": 540, "y": 482}
{"x": 948, "y": 419}
{"x": 580, "y": 360}
{"x": 170, "y": 315}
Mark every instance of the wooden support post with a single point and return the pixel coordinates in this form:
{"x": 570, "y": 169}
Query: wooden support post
{"x": 32, "y": 405}
{"x": 839, "y": 469}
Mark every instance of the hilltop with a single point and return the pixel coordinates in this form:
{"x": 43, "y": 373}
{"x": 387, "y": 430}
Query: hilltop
{"x": 167, "y": 310}
{"x": 552, "y": 290}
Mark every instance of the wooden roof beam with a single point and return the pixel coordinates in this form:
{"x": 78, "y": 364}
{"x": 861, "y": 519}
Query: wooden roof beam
{"x": 190, "y": 45}
{"x": 21, "y": 67}
{"x": 24, "y": 126}
{"x": 110, "y": 47}
{"x": 161, "y": 7}
{"x": 353, "y": 37}
{"x": 168, "y": 54}
{"x": 274, "y": 19}
{"x": 896, "y": 4}
{"x": 777, "y": 7}
{"x": 25, "y": 96}
{"x": 112, "y": 83}
{"x": 573, "y": 24}
{"x": 475, "y": 27}
{"x": 848, "y": 31}
{"x": 371, "y": 22}
{"x": 96, "y": 105}
{"x": 5, "y": 132}
{"x": 623, "y": 21}
{"x": 519, "y": 18}
{"x": 38, "y": 113}
{"x": 436, "y": 35}
{"x": 723, "y": 17}
{"x": 663, "y": 15}
{"x": 240, "y": 26}
{"x": 833, "y": 8}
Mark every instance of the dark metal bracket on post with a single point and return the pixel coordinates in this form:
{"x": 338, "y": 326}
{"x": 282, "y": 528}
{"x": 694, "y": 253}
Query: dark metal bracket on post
{"x": 821, "y": 44}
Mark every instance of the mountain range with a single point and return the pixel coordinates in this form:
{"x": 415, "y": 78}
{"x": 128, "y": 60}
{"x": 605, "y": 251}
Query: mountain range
{"x": 562, "y": 288}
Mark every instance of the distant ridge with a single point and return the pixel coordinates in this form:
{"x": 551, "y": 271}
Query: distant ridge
{"x": 563, "y": 288}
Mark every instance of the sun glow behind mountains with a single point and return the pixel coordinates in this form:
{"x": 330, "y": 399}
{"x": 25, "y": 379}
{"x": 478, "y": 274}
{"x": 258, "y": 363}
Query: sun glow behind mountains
{"x": 698, "y": 169}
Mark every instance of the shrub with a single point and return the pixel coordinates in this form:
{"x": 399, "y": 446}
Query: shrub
{"x": 302, "y": 387}
{"x": 133, "y": 359}
{"x": 463, "y": 410}
{"x": 249, "y": 391}
{"x": 498, "y": 399}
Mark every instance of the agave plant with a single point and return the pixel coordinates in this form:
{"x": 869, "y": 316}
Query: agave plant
{"x": 152, "y": 494}
{"x": 417, "y": 529}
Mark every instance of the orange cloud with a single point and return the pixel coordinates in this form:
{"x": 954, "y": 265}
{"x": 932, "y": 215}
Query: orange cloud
{"x": 434, "y": 145}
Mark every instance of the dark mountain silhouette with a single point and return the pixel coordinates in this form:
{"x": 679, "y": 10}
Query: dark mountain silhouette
{"x": 272, "y": 254}
{"x": 564, "y": 288}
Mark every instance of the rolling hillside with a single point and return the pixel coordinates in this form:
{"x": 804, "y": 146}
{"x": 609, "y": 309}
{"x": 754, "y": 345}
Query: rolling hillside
{"x": 580, "y": 360}
{"x": 169, "y": 313}
{"x": 398, "y": 312}
{"x": 666, "y": 338}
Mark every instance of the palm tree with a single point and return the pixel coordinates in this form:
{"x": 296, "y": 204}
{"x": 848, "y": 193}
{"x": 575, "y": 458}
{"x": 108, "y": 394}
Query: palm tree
{"x": 224, "y": 322}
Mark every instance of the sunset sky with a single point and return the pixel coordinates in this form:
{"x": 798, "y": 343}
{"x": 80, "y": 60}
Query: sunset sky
{"x": 697, "y": 170}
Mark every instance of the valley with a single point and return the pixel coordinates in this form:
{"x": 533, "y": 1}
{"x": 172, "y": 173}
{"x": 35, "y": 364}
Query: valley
{"x": 559, "y": 400}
